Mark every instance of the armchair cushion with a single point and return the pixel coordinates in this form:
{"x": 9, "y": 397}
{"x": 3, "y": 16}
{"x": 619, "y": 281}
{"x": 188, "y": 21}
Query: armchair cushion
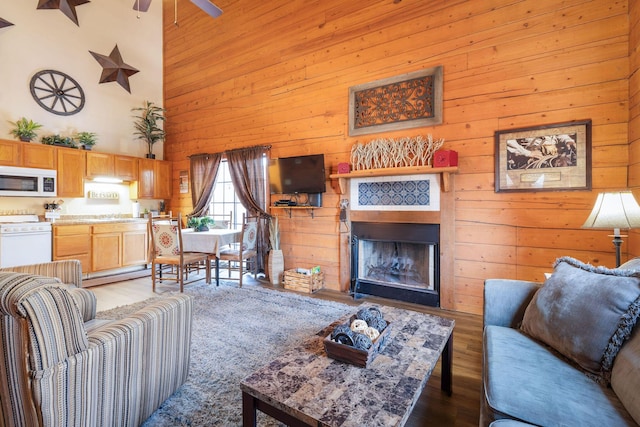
{"x": 585, "y": 313}
{"x": 67, "y": 272}
{"x": 55, "y": 326}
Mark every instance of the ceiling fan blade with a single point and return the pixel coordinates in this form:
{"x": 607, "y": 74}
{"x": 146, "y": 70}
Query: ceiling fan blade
{"x": 141, "y": 5}
{"x": 210, "y": 8}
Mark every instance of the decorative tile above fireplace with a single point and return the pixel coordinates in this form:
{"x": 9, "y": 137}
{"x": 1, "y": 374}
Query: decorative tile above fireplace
{"x": 399, "y": 193}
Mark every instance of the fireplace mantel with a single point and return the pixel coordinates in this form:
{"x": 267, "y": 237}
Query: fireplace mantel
{"x": 409, "y": 170}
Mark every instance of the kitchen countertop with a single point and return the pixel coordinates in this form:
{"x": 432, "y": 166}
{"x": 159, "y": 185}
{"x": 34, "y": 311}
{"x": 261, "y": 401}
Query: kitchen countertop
{"x": 97, "y": 219}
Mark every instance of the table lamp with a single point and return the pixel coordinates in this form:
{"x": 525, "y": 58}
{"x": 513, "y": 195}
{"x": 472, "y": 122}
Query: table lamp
{"x": 615, "y": 210}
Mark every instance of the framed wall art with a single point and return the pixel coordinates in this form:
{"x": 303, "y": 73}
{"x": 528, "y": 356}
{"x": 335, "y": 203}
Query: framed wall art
{"x": 402, "y": 102}
{"x": 551, "y": 157}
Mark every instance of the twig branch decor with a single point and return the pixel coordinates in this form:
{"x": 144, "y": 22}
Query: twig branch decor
{"x": 394, "y": 153}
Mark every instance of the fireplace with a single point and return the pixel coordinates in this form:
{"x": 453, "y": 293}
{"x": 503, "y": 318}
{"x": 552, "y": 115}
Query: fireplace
{"x": 396, "y": 260}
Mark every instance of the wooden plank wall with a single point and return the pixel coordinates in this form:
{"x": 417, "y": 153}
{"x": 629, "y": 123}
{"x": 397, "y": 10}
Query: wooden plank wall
{"x": 634, "y": 113}
{"x": 278, "y": 73}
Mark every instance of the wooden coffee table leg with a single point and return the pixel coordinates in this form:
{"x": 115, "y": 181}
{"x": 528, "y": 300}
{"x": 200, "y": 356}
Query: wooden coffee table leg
{"x": 447, "y": 372}
{"x": 248, "y": 410}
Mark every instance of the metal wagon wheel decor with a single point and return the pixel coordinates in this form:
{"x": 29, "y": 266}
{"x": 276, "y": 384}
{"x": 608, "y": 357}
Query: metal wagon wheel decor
{"x": 57, "y": 92}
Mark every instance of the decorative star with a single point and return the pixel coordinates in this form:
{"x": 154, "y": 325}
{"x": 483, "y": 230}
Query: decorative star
{"x": 114, "y": 68}
{"x": 4, "y": 23}
{"x": 68, "y": 7}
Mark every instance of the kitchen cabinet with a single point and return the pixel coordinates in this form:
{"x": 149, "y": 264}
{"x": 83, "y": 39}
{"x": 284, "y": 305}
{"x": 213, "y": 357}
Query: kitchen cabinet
{"x": 143, "y": 188}
{"x": 154, "y": 180}
{"x": 71, "y": 166}
{"x": 162, "y": 180}
{"x": 135, "y": 245}
{"x": 39, "y": 156}
{"x": 73, "y": 242}
{"x": 118, "y": 245}
{"x": 10, "y": 153}
{"x": 99, "y": 164}
{"x": 106, "y": 249}
{"x": 25, "y": 154}
{"x": 110, "y": 165}
{"x": 126, "y": 167}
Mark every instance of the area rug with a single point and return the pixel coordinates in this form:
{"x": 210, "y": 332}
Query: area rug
{"x": 235, "y": 331}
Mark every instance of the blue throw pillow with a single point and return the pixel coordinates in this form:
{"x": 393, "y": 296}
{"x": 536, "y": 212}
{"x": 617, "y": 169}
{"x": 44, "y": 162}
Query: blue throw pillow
{"x": 585, "y": 313}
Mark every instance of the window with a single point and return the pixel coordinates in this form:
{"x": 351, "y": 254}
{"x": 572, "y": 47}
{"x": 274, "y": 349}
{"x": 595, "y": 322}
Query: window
{"x": 224, "y": 198}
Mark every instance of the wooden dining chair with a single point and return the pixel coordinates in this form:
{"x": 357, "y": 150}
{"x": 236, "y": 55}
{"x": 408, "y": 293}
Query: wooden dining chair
{"x": 222, "y": 220}
{"x": 166, "y": 249}
{"x": 245, "y": 251}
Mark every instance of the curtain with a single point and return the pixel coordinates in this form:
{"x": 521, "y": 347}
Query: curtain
{"x": 246, "y": 166}
{"x": 204, "y": 169}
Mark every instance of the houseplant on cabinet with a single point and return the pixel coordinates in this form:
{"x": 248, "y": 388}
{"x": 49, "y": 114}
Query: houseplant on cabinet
{"x": 147, "y": 125}
{"x": 25, "y": 130}
{"x": 86, "y": 139}
{"x": 275, "y": 261}
{"x": 60, "y": 141}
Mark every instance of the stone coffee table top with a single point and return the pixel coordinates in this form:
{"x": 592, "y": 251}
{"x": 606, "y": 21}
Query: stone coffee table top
{"x": 305, "y": 384}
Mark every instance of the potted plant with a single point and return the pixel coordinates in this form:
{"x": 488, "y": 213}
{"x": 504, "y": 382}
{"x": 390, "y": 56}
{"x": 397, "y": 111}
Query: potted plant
{"x": 199, "y": 223}
{"x": 275, "y": 260}
{"x": 25, "y": 130}
{"x": 58, "y": 140}
{"x": 86, "y": 139}
{"x": 147, "y": 125}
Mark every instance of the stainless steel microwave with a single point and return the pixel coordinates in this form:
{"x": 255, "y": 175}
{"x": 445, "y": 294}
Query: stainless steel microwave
{"x": 27, "y": 182}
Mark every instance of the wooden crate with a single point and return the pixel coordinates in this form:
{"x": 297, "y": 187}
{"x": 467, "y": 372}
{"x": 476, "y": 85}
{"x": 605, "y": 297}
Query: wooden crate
{"x": 303, "y": 282}
{"x": 355, "y": 356}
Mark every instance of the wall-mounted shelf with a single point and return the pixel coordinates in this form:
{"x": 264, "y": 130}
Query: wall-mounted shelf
{"x": 409, "y": 170}
{"x": 288, "y": 209}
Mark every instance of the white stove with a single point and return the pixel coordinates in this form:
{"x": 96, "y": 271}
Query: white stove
{"x": 24, "y": 239}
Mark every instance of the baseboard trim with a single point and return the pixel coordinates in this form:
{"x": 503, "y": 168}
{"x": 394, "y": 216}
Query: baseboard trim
{"x": 114, "y": 278}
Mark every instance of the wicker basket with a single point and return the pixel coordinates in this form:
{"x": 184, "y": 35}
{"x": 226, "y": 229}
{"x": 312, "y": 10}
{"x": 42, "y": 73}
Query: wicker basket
{"x": 308, "y": 283}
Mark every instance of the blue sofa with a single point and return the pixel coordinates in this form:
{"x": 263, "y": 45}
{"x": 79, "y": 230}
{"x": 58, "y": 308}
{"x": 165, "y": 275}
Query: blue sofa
{"x": 527, "y": 381}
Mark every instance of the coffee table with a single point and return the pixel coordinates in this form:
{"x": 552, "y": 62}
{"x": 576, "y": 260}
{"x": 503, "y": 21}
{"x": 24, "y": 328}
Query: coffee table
{"x": 304, "y": 387}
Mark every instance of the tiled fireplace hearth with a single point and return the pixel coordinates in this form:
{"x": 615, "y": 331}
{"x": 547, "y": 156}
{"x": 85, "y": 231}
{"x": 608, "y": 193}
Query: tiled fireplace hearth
{"x": 397, "y": 261}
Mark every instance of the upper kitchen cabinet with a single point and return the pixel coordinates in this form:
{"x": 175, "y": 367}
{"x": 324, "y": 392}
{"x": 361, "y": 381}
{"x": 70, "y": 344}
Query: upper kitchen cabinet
{"x": 154, "y": 180}
{"x": 162, "y": 180}
{"x": 10, "y": 153}
{"x": 31, "y": 155}
{"x": 38, "y": 156}
{"x": 71, "y": 167}
{"x": 99, "y": 164}
{"x": 112, "y": 165}
{"x": 126, "y": 167}
{"x": 143, "y": 188}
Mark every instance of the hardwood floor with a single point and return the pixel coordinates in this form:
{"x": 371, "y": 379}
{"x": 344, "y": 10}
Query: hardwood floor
{"x": 433, "y": 408}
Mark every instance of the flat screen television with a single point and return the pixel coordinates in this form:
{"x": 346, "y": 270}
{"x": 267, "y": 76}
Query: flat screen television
{"x": 301, "y": 174}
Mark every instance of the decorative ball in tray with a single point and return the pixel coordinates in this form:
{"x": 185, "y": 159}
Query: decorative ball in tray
{"x": 359, "y": 340}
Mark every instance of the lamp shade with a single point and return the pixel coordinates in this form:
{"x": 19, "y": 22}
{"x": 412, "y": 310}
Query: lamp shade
{"x": 616, "y": 210}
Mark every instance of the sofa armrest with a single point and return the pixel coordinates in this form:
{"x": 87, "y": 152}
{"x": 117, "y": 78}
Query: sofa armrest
{"x": 505, "y": 301}
{"x": 158, "y": 341}
{"x": 86, "y": 301}
{"x": 69, "y": 271}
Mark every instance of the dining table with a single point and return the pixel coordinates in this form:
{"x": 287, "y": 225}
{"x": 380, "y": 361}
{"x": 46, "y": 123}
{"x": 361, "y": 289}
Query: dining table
{"x": 209, "y": 242}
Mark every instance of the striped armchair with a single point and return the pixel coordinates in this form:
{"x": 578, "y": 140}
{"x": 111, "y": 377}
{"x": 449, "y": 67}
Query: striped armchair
{"x": 55, "y": 370}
